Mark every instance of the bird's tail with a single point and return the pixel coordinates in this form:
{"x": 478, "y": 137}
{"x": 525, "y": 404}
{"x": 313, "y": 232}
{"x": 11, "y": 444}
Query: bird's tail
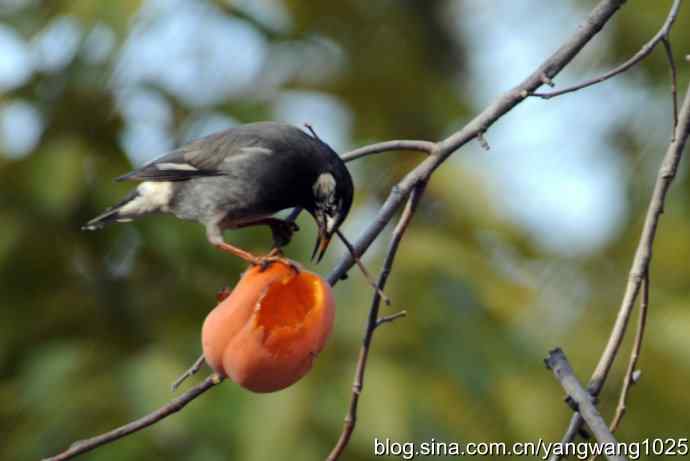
{"x": 113, "y": 214}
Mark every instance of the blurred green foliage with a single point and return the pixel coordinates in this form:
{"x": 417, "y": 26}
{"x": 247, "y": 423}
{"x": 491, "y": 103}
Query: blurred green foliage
{"x": 95, "y": 326}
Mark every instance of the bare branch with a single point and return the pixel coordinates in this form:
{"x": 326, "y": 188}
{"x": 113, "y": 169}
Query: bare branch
{"x": 442, "y": 150}
{"x": 82, "y": 446}
{"x": 390, "y": 318}
{"x": 373, "y": 322}
{"x": 194, "y": 369}
{"x": 558, "y": 363}
{"x": 640, "y": 264}
{"x": 594, "y": 22}
{"x": 661, "y": 36}
{"x": 482, "y": 141}
{"x": 629, "y": 378}
{"x": 674, "y": 85}
{"x": 363, "y": 268}
{"x": 398, "y": 145}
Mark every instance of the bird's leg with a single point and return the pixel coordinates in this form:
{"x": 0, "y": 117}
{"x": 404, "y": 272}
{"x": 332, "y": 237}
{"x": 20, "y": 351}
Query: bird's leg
{"x": 215, "y": 237}
{"x": 282, "y": 231}
{"x": 263, "y": 261}
{"x": 214, "y": 233}
{"x": 239, "y": 252}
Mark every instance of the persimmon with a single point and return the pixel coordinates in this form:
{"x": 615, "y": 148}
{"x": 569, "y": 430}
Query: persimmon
{"x": 269, "y": 329}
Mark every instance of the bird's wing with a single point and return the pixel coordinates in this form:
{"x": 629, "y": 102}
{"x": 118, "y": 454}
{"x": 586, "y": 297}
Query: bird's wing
{"x": 214, "y": 155}
{"x": 171, "y": 167}
{"x": 200, "y": 158}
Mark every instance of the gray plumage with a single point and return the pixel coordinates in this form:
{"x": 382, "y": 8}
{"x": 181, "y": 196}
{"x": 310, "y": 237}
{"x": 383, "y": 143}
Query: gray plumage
{"x": 239, "y": 177}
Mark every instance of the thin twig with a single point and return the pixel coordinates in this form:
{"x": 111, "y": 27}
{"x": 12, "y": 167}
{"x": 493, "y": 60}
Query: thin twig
{"x": 363, "y": 269}
{"x": 294, "y": 214}
{"x": 674, "y": 85}
{"x": 630, "y": 374}
{"x": 82, "y": 446}
{"x": 387, "y": 146}
{"x": 482, "y": 141}
{"x": 558, "y": 363}
{"x": 646, "y": 49}
{"x": 189, "y": 373}
{"x": 640, "y": 264}
{"x": 390, "y": 318}
{"x": 372, "y": 322}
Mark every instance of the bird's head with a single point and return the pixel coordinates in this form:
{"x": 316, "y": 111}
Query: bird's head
{"x": 332, "y": 193}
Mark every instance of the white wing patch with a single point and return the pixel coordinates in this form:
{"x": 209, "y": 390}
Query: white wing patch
{"x": 251, "y": 150}
{"x": 256, "y": 150}
{"x": 175, "y": 167}
{"x": 153, "y": 196}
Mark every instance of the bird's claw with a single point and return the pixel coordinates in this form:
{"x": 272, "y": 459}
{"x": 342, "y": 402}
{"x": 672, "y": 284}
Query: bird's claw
{"x": 264, "y": 262}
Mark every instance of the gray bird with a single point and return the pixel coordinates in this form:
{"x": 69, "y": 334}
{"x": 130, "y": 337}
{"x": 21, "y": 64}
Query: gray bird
{"x": 240, "y": 177}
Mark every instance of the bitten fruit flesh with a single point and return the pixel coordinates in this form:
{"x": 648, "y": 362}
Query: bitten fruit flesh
{"x": 265, "y": 335}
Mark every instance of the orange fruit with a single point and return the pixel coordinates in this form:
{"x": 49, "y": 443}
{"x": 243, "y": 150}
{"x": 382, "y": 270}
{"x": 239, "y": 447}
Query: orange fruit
{"x": 266, "y": 334}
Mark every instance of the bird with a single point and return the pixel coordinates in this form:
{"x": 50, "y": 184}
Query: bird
{"x": 241, "y": 177}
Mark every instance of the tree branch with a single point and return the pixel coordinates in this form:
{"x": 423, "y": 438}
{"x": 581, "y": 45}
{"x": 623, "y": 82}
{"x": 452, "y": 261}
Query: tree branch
{"x": 194, "y": 369}
{"x": 82, "y": 446}
{"x": 674, "y": 86}
{"x": 632, "y": 374}
{"x": 390, "y": 318}
{"x": 479, "y": 125}
{"x": 387, "y": 146}
{"x": 374, "y": 321}
{"x": 661, "y": 36}
{"x": 558, "y": 363}
{"x": 640, "y": 264}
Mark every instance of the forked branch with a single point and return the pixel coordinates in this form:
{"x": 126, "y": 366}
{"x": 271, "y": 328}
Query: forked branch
{"x": 639, "y": 270}
{"x": 375, "y": 321}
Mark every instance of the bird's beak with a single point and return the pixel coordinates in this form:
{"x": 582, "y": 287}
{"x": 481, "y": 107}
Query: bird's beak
{"x": 323, "y": 239}
{"x": 322, "y": 242}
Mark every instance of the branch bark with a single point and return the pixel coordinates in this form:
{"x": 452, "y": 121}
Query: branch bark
{"x": 374, "y": 322}
{"x": 632, "y": 374}
{"x": 661, "y": 36}
{"x": 82, "y": 446}
{"x": 558, "y": 363}
{"x": 387, "y": 146}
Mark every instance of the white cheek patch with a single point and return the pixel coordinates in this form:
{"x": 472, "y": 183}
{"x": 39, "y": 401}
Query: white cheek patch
{"x": 175, "y": 167}
{"x": 324, "y": 185}
{"x": 153, "y": 196}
